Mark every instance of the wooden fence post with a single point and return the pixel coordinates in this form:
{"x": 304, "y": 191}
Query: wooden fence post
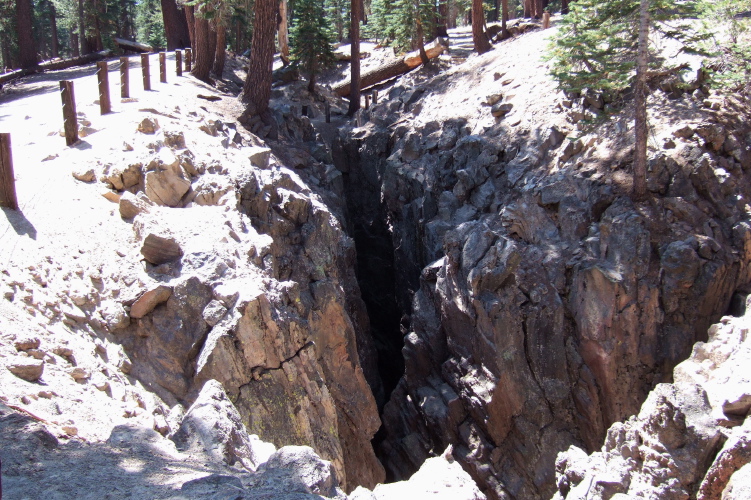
{"x": 179, "y": 63}
{"x": 188, "y": 60}
{"x": 7, "y": 181}
{"x": 163, "y": 67}
{"x": 328, "y": 112}
{"x": 69, "y": 112}
{"x": 145, "y": 71}
{"x": 124, "y": 77}
{"x": 367, "y": 101}
{"x": 375, "y": 96}
{"x": 545, "y": 20}
{"x": 102, "y": 74}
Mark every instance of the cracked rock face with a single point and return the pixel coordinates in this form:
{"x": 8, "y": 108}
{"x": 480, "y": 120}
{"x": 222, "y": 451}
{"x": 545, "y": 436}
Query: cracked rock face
{"x": 690, "y": 438}
{"x": 544, "y": 304}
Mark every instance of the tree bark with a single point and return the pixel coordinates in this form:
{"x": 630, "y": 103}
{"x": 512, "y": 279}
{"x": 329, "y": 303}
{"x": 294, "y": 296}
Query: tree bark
{"x": 202, "y": 57}
{"x": 640, "y": 119}
{"x": 420, "y": 35}
{"x": 53, "y": 28}
{"x": 479, "y": 37}
{"x": 82, "y": 29}
{"x": 283, "y": 32}
{"x": 504, "y": 19}
{"x": 26, "y": 48}
{"x": 564, "y": 6}
{"x": 175, "y": 25}
{"x": 190, "y": 20}
{"x": 220, "y": 56}
{"x": 355, "y": 84}
{"x": 538, "y": 9}
{"x": 212, "y": 43}
{"x": 98, "y": 45}
{"x": 257, "y": 88}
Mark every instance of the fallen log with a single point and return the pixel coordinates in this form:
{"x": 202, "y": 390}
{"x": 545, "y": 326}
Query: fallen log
{"x": 55, "y": 65}
{"x": 133, "y": 46}
{"x": 392, "y": 68}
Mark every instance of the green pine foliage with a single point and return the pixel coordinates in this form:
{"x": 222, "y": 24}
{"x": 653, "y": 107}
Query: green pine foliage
{"x": 310, "y": 39}
{"x": 337, "y": 12}
{"x": 596, "y": 44}
{"x": 729, "y": 23}
{"x": 150, "y": 23}
{"x": 394, "y": 22}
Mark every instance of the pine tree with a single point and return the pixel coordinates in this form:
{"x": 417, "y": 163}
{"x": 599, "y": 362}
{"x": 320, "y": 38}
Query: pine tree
{"x": 600, "y": 42}
{"x": 311, "y": 39}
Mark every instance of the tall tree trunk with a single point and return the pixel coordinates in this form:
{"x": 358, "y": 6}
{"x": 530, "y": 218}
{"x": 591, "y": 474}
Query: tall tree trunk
{"x": 212, "y": 43}
{"x": 538, "y": 9}
{"x": 75, "y": 45}
{"x": 479, "y": 37}
{"x": 640, "y": 120}
{"x": 442, "y": 19}
{"x": 283, "y": 32}
{"x": 53, "y": 27}
{"x": 354, "y": 93}
{"x": 82, "y": 29}
{"x": 202, "y": 57}
{"x": 504, "y": 19}
{"x": 220, "y": 55}
{"x": 98, "y": 45}
{"x": 564, "y": 6}
{"x": 257, "y": 88}
{"x": 190, "y": 19}
{"x": 528, "y": 8}
{"x": 26, "y": 48}
{"x": 175, "y": 25}
{"x": 420, "y": 34}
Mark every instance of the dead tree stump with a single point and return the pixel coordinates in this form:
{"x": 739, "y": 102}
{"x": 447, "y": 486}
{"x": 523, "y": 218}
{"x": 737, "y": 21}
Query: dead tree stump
{"x": 7, "y": 180}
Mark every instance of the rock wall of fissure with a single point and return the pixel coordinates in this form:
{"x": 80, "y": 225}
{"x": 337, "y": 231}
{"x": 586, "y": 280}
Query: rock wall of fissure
{"x": 544, "y": 304}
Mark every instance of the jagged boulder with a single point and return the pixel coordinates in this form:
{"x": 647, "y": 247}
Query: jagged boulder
{"x": 213, "y": 426}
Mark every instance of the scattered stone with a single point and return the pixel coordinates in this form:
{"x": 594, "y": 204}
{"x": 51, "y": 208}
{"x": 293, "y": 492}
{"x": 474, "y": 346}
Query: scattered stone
{"x": 165, "y": 180}
{"x": 492, "y": 99}
{"x": 131, "y": 205}
{"x": 78, "y": 373}
{"x": 112, "y": 196}
{"x": 684, "y": 132}
{"x": 84, "y": 174}
{"x": 259, "y": 156}
{"x": 149, "y": 300}
{"x": 51, "y": 157}
{"x": 501, "y": 109}
{"x": 28, "y": 369}
{"x": 160, "y": 250}
{"x": 26, "y": 343}
{"x": 572, "y": 148}
{"x": 210, "y": 127}
{"x": 86, "y": 131}
{"x": 507, "y": 81}
{"x": 175, "y": 140}
{"x": 70, "y": 430}
{"x": 127, "y": 147}
{"x": 148, "y": 126}
{"x": 668, "y": 144}
{"x": 214, "y": 312}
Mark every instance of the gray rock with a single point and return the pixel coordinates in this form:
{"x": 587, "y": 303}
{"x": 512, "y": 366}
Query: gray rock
{"x": 214, "y": 312}
{"x": 25, "y": 343}
{"x": 213, "y": 426}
